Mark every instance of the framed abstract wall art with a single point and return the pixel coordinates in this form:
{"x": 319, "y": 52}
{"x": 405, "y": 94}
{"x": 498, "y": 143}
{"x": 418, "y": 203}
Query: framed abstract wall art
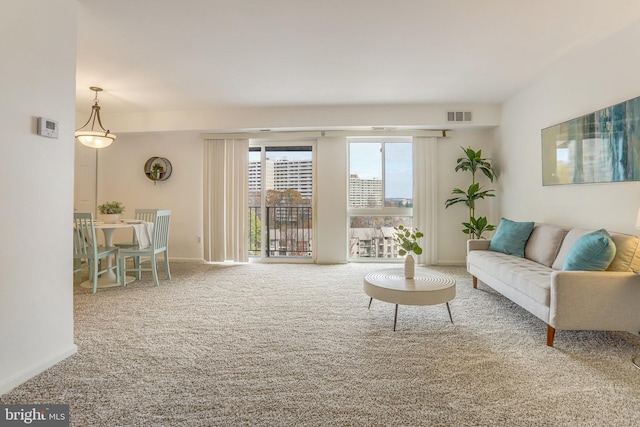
{"x": 603, "y": 146}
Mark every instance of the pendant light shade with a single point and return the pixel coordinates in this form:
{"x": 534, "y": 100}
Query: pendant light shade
{"x": 100, "y": 137}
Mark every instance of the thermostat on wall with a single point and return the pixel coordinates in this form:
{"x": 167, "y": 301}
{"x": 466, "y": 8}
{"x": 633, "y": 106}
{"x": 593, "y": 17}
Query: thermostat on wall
{"x": 47, "y": 127}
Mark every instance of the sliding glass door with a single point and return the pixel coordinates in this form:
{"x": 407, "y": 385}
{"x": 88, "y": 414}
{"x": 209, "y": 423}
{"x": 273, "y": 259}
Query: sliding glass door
{"x": 281, "y": 200}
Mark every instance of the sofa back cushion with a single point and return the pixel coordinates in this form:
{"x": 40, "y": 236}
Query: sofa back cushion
{"x": 627, "y": 250}
{"x": 627, "y": 253}
{"x": 592, "y": 252}
{"x": 544, "y": 243}
{"x": 570, "y": 239}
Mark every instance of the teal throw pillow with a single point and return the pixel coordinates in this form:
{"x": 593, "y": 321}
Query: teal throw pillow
{"x": 511, "y": 237}
{"x": 591, "y": 252}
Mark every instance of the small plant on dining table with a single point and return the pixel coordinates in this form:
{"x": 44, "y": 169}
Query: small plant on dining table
{"x": 111, "y": 208}
{"x": 407, "y": 239}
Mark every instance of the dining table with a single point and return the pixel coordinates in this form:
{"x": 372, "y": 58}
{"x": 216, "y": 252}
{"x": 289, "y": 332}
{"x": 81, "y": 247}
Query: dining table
{"x": 108, "y": 279}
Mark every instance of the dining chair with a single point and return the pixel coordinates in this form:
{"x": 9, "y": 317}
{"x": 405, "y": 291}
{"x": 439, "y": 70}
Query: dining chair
{"x": 141, "y": 256}
{"x": 86, "y": 248}
{"x": 145, "y": 215}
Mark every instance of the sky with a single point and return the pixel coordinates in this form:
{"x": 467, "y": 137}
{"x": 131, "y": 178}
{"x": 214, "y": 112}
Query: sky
{"x": 365, "y": 159}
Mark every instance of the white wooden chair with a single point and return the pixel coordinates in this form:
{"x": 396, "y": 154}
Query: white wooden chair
{"x": 141, "y": 256}
{"x": 85, "y": 248}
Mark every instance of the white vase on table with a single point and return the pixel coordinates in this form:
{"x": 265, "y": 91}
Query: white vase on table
{"x": 110, "y": 218}
{"x": 409, "y": 267}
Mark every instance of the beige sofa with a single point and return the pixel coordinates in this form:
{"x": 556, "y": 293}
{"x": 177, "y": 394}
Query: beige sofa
{"x": 565, "y": 300}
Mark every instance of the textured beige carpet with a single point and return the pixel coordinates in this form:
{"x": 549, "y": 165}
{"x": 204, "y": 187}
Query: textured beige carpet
{"x": 295, "y": 345}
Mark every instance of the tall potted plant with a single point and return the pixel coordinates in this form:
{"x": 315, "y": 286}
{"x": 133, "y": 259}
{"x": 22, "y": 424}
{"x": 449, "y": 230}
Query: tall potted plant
{"x": 407, "y": 239}
{"x": 473, "y": 162}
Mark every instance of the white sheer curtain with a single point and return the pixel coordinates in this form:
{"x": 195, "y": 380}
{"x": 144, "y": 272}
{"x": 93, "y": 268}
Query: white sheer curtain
{"x": 226, "y": 219}
{"x": 425, "y": 192}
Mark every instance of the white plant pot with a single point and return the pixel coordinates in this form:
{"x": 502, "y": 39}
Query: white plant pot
{"x": 409, "y": 266}
{"x": 110, "y": 218}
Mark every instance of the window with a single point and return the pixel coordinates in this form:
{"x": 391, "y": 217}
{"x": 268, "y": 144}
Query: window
{"x": 380, "y": 195}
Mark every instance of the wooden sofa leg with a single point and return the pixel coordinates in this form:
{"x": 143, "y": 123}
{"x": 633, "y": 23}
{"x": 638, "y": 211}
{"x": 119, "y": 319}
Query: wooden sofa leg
{"x": 551, "y": 333}
{"x": 475, "y": 282}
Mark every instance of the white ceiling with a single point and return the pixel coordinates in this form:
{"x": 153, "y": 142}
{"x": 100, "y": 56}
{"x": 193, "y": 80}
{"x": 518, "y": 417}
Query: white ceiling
{"x": 201, "y": 54}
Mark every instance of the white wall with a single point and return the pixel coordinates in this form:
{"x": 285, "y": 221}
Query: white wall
{"x": 601, "y": 75}
{"x": 37, "y": 78}
{"x": 121, "y": 177}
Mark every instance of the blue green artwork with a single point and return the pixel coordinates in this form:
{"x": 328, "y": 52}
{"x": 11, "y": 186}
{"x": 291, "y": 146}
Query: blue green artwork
{"x": 603, "y": 146}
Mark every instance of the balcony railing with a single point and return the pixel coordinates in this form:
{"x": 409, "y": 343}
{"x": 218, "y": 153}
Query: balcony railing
{"x": 287, "y": 228}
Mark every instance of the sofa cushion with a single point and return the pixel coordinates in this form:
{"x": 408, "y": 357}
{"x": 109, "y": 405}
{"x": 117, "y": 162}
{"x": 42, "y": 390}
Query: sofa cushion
{"x": 627, "y": 253}
{"x": 591, "y": 252}
{"x": 544, "y": 243}
{"x": 528, "y": 277}
{"x": 570, "y": 239}
{"x": 511, "y": 237}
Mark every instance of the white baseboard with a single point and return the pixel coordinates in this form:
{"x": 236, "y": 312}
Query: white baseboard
{"x": 451, "y": 262}
{"x": 8, "y": 384}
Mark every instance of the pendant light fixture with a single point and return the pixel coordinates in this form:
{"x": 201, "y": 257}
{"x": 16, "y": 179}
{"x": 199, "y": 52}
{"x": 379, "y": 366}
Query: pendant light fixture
{"x": 89, "y": 137}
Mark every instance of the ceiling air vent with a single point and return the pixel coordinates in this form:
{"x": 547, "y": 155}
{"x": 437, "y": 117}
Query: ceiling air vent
{"x": 459, "y": 116}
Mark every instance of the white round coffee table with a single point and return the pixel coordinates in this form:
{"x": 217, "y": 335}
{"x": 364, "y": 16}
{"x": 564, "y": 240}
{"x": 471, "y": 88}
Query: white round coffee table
{"x": 426, "y": 288}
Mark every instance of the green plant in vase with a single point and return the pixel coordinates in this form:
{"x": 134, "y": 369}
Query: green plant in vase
{"x": 111, "y": 211}
{"x": 156, "y": 171}
{"x": 111, "y": 208}
{"x": 473, "y": 162}
{"x": 407, "y": 240}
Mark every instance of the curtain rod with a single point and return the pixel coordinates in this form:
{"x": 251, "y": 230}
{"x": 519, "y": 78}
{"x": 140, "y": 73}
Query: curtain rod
{"x": 324, "y": 133}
